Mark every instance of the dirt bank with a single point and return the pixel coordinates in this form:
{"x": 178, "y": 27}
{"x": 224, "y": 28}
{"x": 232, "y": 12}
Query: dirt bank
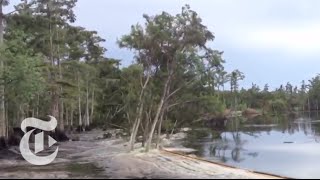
{"x": 91, "y": 158}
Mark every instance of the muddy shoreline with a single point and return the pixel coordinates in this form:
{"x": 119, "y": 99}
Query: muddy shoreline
{"x": 109, "y": 158}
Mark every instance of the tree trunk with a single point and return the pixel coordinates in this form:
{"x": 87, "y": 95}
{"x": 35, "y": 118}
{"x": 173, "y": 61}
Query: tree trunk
{"x": 156, "y": 118}
{"x": 159, "y": 130}
{"x": 80, "y": 118}
{"x": 22, "y": 113}
{"x": 71, "y": 118}
{"x": 67, "y": 119}
{"x": 87, "y": 123}
{"x": 155, "y": 121}
{"x": 2, "y": 98}
{"x": 136, "y": 127}
{"x": 61, "y": 120}
{"x": 38, "y": 104}
{"x": 7, "y": 120}
{"x": 79, "y": 105}
{"x": 92, "y": 107}
{"x": 174, "y": 126}
{"x": 61, "y": 109}
{"x": 145, "y": 133}
{"x": 55, "y": 96}
{"x": 139, "y": 111}
{"x": 55, "y": 105}
{"x": 235, "y": 102}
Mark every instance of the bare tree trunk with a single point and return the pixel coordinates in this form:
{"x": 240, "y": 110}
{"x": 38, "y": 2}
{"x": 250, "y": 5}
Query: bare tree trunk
{"x": 145, "y": 134}
{"x": 61, "y": 109}
{"x": 159, "y": 130}
{"x": 155, "y": 121}
{"x": 132, "y": 137}
{"x": 139, "y": 111}
{"x": 2, "y": 98}
{"x": 55, "y": 105}
{"x": 136, "y": 128}
{"x": 79, "y": 105}
{"x": 146, "y": 129}
{"x": 87, "y": 123}
{"x": 174, "y": 126}
{"x": 92, "y": 107}
{"x": 61, "y": 122}
{"x": 67, "y": 119}
{"x": 18, "y": 118}
{"x": 156, "y": 118}
{"x": 38, "y": 104}
{"x": 7, "y": 120}
{"x": 22, "y": 113}
{"x": 80, "y": 118}
{"x": 71, "y": 118}
{"x": 55, "y": 97}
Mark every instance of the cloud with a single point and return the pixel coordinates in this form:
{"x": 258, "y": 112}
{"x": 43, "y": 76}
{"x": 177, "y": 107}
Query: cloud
{"x": 293, "y": 40}
{"x": 285, "y": 28}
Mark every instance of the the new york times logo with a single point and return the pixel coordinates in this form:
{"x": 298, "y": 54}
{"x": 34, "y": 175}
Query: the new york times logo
{"x": 25, "y": 150}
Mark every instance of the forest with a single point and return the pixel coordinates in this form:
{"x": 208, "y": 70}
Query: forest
{"x": 49, "y": 66}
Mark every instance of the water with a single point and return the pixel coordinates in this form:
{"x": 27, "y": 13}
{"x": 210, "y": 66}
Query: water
{"x": 278, "y": 145}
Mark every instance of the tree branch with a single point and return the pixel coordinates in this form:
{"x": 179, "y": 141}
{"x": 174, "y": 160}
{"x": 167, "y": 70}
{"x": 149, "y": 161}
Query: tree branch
{"x": 178, "y": 89}
{"x": 178, "y": 103}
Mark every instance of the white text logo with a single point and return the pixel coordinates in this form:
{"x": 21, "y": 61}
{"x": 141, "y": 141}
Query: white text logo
{"x": 39, "y": 140}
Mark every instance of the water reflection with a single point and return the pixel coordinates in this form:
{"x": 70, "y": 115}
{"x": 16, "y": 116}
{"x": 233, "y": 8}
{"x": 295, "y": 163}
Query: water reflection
{"x": 274, "y": 144}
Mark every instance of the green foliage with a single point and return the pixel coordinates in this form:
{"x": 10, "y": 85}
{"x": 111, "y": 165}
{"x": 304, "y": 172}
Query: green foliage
{"x": 279, "y": 105}
{"x": 242, "y": 106}
{"x": 50, "y": 65}
{"x": 211, "y": 104}
{"x": 314, "y": 89}
{"x": 23, "y": 78}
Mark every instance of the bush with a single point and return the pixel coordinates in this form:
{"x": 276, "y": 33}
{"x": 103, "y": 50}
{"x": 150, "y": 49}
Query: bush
{"x": 242, "y": 107}
{"x": 279, "y": 105}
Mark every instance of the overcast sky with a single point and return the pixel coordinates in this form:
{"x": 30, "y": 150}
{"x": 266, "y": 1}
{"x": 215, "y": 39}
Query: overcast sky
{"x": 271, "y": 41}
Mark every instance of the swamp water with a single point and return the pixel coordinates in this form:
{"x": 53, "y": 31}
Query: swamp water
{"x": 278, "y": 145}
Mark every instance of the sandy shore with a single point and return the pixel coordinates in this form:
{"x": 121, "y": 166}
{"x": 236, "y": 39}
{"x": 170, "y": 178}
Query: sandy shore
{"x": 90, "y": 158}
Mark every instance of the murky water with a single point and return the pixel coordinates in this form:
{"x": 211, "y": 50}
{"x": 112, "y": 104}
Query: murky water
{"x": 279, "y": 145}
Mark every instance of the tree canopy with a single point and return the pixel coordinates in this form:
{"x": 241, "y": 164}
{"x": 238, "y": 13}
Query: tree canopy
{"x": 50, "y": 66}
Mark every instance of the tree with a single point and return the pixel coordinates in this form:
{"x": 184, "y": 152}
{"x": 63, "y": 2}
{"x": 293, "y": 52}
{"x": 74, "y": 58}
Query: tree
{"x": 266, "y": 88}
{"x": 235, "y": 77}
{"x": 22, "y": 76}
{"x": 289, "y": 88}
{"x": 169, "y": 48}
{"x": 3, "y": 131}
{"x": 313, "y": 95}
{"x": 302, "y": 95}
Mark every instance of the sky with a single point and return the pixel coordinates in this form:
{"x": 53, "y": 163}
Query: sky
{"x": 271, "y": 41}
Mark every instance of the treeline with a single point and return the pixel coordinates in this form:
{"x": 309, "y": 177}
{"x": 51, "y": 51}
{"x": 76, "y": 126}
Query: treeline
{"x": 50, "y": 66}
{"x": 284, "y": 99}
